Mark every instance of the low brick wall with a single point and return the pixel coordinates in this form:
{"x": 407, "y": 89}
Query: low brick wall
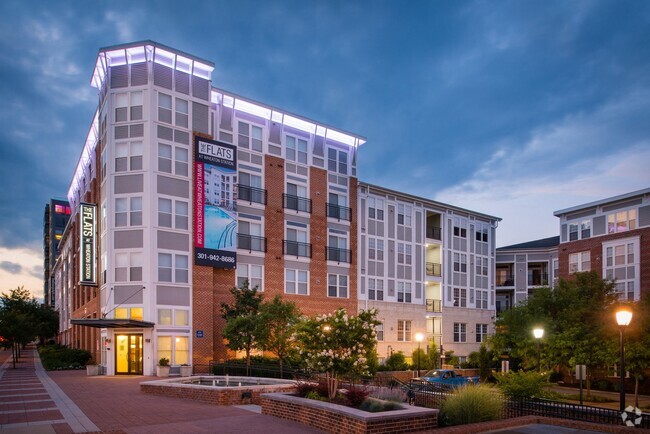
{"x": 234, "y": 395}
{"x": 333, "y": 418}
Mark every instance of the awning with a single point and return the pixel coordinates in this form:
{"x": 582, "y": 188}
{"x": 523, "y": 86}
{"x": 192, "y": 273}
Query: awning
{"x": 108, "y": 323}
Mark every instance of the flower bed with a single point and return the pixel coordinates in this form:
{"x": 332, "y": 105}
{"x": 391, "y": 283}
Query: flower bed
{"x": 334, "y": 418}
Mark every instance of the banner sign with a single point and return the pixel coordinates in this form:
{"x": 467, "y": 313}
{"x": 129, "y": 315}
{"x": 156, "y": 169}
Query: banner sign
{"x": 215, "y": 203}
{"x": 87, "y": 239}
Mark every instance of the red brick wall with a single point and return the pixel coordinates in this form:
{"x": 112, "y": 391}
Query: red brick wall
{"x": 594, "y": 245}
{"x": 274, "y": 226}
{"x": 214, "y": 395}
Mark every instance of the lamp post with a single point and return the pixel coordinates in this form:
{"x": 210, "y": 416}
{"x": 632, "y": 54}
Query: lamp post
{"x": 623, "y": 318}
{"x": 538, "y": 332}
{"x": 419, "y": 337}
{"x": 442, "y": 356}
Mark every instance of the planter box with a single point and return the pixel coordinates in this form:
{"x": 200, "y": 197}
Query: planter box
{"x": 186, "y": 371}
{"x": 92, "y": 370}
{"x": 162, "y": 371}
{"x": 334, "y": 418}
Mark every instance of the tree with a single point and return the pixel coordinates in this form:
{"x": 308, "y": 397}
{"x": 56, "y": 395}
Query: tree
{"x": 637, "y": 348}
{"x": 241, "y": 328}
{"x": 483, "y": 359}
{"x": 277, "y": 326}
{"x": 396, "y": 362}
{"x": 339, "y": 344}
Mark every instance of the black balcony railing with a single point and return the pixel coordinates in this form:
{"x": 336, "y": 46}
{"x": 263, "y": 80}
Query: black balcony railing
{"x": 339, "y": 212}
{"x": 434, "y": 233}
{"x": 251, "y": 194}
{"x": 505, "y": 280}
{"x": 537, "y": 279}
{"x": 296, "y": 248}
{"x": 434, "y": 269}
{"x": 338, "y": 255}
{"x": 297, "y": 203}
{"x": 251, "y": 243}
{"x": 434, "y": 305}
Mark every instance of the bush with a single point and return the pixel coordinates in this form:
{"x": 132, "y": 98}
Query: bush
{"x": 555, "y": 377}
{"x": 303, "y": 388}
{"x": 394, "y": 395}
{"x": 56, "y": 357}
{"x": 373, "y": 405}
{"x": 356, "y": 395}
{"x": 396, "y": 362}
{"x": 471, "y": 404}
{"x": 523, "y": 384}
{"x": 603, "y": 385}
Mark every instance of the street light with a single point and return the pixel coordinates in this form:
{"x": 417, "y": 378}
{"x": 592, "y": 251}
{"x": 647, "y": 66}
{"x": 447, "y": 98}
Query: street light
{"x": 623, "y": 318}
{"x": 538, "y": 333}
{"x": 419, "y": 337}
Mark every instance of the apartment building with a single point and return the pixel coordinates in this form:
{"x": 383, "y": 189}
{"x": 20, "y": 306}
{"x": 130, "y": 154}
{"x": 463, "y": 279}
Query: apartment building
{"x": 183, "y": 191}
{"x": 523, "y": 267}
{"x": 428, "y": 268}
{"x": 612, "y": 237}
{"x": 55, "y": 218}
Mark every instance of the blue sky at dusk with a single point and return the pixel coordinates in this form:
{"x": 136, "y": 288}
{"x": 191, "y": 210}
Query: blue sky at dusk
{"x": 510, "y": 108}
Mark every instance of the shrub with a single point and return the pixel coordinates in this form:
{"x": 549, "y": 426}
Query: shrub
{"x": 555, "y": 377}
{"x": 303, "y": 388}
{"x": 57, "y": 357}
{"x": 315, "y": 396}
{"x": 471, "y": 404}
{"x": 603, "y": 385}
{"x": 393, "y": 395}
{"x": 356, "y": 395}
{"x": 373, "y": 405}
{"x": 523, "y": 384}
{"x": 396, "y": 362}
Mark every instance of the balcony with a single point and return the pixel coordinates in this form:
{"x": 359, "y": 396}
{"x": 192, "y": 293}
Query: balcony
{"x": 537, "y": 279}
{"x": 339, "y": 212}
{"x": 434, "y": 269}
{"x": 435, "y": 233}
{"x": 338, "y": 255}
{"x": 251, "y": 243}
{"x": 505, "y": 280}
{"x": 251, "y": 194}
{"x": 434, "y": 305}
{"x": 296, "y": 248}
{"x": 297, "y": 203}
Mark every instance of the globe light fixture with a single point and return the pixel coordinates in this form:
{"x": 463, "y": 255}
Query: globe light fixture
{"x": 538, "y": 332}
{"x": 418, "y": 337}
{"x": 623, "y": 319}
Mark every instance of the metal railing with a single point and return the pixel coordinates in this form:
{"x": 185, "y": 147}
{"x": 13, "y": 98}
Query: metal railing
{"x": 296, "y": 248}
{"x": 297, "y": 203}
{"x": 338, "y": 211}
{"x": 251, "y": 194}
{"x": 252, "y": 243}
{"x": 507, "y": 280}
{"x": 434, "y": 232}
{"x": 537, "y": 279}
{"x": 434, "y": 269}
{"x": 434, "y": 305}
{"x": 338, "y": 255}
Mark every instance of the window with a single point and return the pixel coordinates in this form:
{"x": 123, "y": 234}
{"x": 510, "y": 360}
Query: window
{"x": 182, "y": 113}
{"x": 481, "y": 266}
{"x": 580, "y": 261}
{"x": 337, "y": 161}
{"x": 174, "y": 348}
{"x": 128, "y": 156}
{"x": 250, "y": 188}
{"x": 179, "y": 272}
{"x": 129, "y": 312}
{"x": 252, "y": 273}
{"x": 460, "y": 227}
{"x": 164, "y": 317}
{"x": 622, "y": 265}
{"x": 128, "y": 211}
{"x": 481, "y": 332}
{"x": 180, "y": 214}
{"x": 181, "y": 317}
{"x": 404, "y": 253}
{"x": 460, "y": 297}
{"x": 379, "y": 329}
{"x": 337, "y": 285}
{"x": 481, "y": 299}
{"x": 404, "y": 292}
{"x": 403, "y": 330}
{"x": 375, "y": 209}
{"x": 297, "y": 198}
{"x": 375, "y": 249}
{"x": 460, "y": 262}
{"x": 585, "y": 229}
{"x": 121, "y": 103}
{"x": 460, "y": 332}
{"x": 482, "y": 232}
{"x": 296, "y": 282}
{"x": 165, "y": 159}
{"x": 177, "y": 317}
{"x": 165, "y": 108}
{"x": 337, "y": 248}
{"x": 403, "y": 214}
{"x": 621, "y": 221}
{"x": 375, "y": 289}
{"x": 573, "y": 232}
{"x": 250, "y": 136}
{"x": 128, "y": 267}
{"x": 296, "y": 149}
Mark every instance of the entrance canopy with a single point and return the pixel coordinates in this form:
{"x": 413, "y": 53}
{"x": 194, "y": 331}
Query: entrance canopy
{"x": 109, "y": 323}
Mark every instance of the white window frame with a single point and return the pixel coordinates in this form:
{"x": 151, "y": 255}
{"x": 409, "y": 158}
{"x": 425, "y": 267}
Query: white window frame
{"x": 298, "y": 154}
{"x": 630, "y": 286}
{"x": 376, "y": 208}
{"x": 481, "y": 332}
{"x": 341, "y": 285}
{"x": 404, "y": 330}
{"x": 246, "y": 139}
{"x": 245, "y": 271}
{"x": 296, "y": 281}
{"x": 460, "y": 332}
{"x": 577, "y": 261}
{"x": 616, "y": 219}
{"x": 404, "y": 292}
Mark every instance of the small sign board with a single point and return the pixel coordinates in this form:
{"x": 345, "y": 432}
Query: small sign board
{"x": 199, "y": 333}
{"x": 581, "y": 372}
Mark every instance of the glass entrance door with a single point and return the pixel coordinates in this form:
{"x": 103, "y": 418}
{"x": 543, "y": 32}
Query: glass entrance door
{"x": 128, "y": 355}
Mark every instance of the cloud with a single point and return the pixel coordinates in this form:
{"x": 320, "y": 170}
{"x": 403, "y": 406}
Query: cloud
{"x": 11, "y": 267}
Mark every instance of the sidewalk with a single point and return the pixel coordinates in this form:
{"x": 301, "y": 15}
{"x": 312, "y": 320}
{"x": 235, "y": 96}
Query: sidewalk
{"x": 644, "y": 400}
{"x": 35, "y": 401}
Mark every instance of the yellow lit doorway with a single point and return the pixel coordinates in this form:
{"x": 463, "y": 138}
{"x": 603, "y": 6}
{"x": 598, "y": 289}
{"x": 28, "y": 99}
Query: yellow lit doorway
{"x": 128, "y": 355}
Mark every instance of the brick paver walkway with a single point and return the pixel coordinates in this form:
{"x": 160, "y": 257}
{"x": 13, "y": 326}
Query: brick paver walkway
{"x": 35, "y": 401}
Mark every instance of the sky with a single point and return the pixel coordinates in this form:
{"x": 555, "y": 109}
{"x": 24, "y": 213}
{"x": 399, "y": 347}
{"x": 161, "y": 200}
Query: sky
{"x": 510, "y": 108}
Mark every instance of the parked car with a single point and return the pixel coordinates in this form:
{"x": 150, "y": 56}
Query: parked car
{"x": 447, "y": 377}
